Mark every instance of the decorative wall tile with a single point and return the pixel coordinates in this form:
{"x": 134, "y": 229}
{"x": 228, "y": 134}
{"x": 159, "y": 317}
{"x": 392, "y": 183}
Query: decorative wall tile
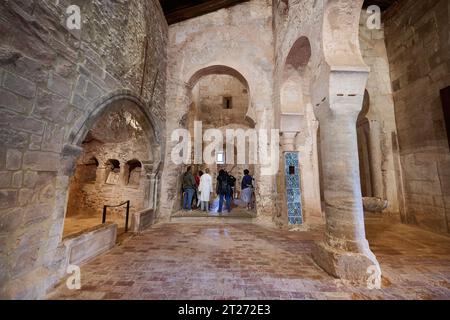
{"x": 293, "y": 191}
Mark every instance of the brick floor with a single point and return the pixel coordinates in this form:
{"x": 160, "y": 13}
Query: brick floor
{"x": 246, "y": 261}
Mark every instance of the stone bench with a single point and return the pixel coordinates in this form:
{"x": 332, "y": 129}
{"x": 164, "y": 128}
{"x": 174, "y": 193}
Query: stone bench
{"x": 83, "y": 246}
{"x": 142, "y": 220}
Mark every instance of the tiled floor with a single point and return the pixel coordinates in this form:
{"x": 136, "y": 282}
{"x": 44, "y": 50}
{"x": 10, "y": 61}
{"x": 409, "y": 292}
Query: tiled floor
{"x": 235, "y": 213}
{"x": 246, "y": 261}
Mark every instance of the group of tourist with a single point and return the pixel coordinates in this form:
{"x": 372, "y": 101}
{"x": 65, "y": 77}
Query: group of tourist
{"x": 200, "y": 188}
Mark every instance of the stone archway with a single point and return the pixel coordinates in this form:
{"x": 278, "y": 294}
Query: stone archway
{"x": 73, "y": 151}
{"x": 223, "y": 70}
{"x": 172, "y": 192}
{"x": 299, "y": 139}
{"x": 118, "y": 132}
{"x": 218, "y": 97}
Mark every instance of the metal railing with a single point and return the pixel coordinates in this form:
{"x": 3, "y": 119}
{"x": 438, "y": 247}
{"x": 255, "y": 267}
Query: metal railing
{"x": 105, "y": 208}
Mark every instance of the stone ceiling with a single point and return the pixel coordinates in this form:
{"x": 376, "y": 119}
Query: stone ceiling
{"x": 180, "y": 10}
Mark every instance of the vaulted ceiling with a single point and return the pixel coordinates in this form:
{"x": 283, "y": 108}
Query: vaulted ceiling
{"x": 180, "y": 10}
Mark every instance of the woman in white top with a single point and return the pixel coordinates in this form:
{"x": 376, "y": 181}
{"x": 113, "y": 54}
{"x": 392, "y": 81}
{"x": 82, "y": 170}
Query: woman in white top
{"x": 205, "y": 189}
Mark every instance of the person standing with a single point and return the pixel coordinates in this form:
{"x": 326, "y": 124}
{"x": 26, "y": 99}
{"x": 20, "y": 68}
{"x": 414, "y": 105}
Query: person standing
{"x": 232, "y": 183}
{"x": 196, "y": 198}
{"x": 205, "y": 189}
{"x": 247, "y": 189}
{"x": 224, "y": 190}
{"x": 188, "y": 188}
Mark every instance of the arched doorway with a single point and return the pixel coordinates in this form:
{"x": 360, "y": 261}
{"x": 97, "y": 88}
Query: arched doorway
{"x": 219, "y": 100}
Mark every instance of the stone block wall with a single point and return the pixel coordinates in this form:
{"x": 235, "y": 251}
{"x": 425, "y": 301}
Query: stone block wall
{"x": 418, "y": 46}
{"x": 89, "y": 198}
{"x": 208, "y": 97}
{"x": 50, "y": 79}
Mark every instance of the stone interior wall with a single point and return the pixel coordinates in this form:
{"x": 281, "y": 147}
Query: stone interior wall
{"x": 208, "y": 97}
{"x": 87, "y": 199}
{"x": 50, "y": 79}
{"x": 418, "y": 46}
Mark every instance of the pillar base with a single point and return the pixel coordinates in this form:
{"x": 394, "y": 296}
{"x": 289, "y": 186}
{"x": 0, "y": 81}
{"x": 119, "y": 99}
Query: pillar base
{"x": 352, "y": 266}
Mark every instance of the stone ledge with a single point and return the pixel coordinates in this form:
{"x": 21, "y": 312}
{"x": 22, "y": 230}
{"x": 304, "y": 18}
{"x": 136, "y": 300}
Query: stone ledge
{"x": 142, "y": 220}
{"x": 83, "y": 246}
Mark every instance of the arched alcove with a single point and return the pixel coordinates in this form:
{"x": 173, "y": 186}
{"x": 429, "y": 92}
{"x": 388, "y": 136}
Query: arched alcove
{"x": 219, "y": 96}
{"x": 224, "y": 71}
{"x": 133, "y": 173}
{"x": 122, "y": 131}
{"x": 112, "y": 171}
{"x": 300, "y": 182}
{"x": 295, "y": 88}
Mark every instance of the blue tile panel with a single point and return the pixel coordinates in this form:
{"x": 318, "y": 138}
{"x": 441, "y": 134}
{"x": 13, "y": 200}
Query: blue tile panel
{"x": 293, "y": 191}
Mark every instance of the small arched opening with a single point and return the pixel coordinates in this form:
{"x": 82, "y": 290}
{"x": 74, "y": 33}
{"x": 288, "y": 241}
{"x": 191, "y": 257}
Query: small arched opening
{"x": 133, "y": 173}
{"x": 112, "y": 171}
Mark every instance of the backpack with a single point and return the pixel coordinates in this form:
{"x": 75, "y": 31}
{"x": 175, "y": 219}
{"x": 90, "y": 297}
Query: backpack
{"x": 223, "y": 186}
{"x": 231, "y": 181}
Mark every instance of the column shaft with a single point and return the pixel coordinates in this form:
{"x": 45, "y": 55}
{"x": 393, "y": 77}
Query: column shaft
{"x": 345, "y": 253}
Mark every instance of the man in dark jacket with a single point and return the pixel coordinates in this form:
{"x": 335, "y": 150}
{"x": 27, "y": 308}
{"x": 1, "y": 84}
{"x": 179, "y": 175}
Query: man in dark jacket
{"x": 224, "y": 190}
{"x": 189, "y": 188}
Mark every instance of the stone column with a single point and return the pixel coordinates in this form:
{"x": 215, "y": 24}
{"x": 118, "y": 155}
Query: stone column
{"x": 375, "y": 155}
{"x": 151, "y": 181}
{"x": 100, "y": 175}
{"x": 345, "y": 252}
{"x": 123, "y": 175}
{"x": 317, "y": 204}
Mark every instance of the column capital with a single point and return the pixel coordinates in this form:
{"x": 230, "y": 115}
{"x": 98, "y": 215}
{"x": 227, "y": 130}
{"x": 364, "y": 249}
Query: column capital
{"x": 346, "y": 87}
